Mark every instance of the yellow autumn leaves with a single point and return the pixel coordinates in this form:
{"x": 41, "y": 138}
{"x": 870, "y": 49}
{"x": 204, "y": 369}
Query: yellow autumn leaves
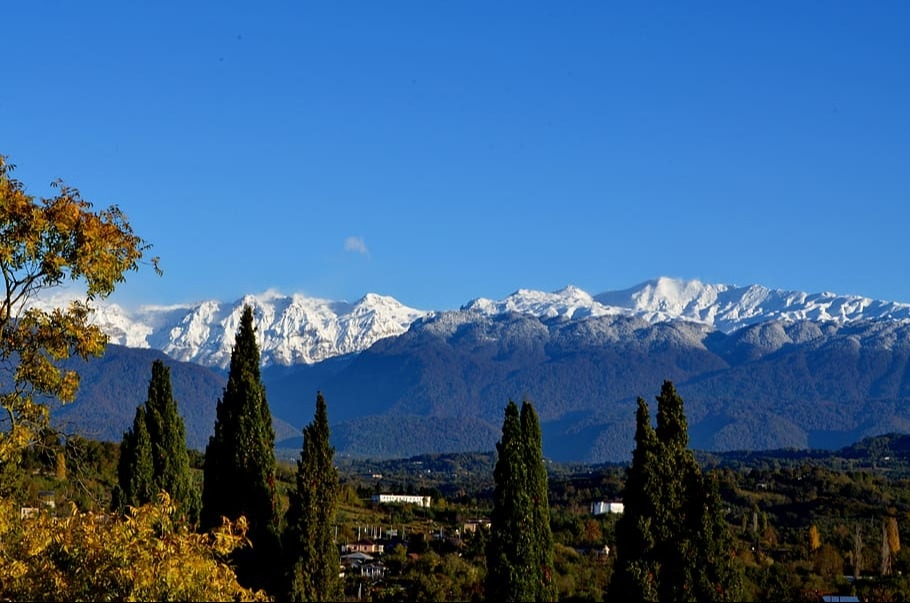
{"x": 146, "y": 556}
{"x": 151, "y": 554}
{"x": 44, "y": 242}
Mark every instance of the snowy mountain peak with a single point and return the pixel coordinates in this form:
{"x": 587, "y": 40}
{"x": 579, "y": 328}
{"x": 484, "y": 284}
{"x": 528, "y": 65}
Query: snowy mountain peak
{"x": 730, "y": 307}
{"x": 294, "y": 329}
{"x": 291, "y": 329}
{"x": 567, "y": 303}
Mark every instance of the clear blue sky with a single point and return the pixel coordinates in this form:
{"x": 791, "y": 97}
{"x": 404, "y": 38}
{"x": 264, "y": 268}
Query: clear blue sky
{"x": 441, "y": 151}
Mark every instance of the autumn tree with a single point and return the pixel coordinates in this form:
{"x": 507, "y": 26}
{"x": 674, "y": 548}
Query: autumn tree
{"x": 520, "y": 548}
{"x": 672, "y": 541}
{"x": 815, "y": 539}
{"x": 857, "y": 553}
{"x": 157, "y": 443}
{"x": 893, "y": 535}
{"x": 151, "y": 554}
{"x": 45, "y": 243}
{"x": 239, "y": 470}
{"x": 309, "y": 543}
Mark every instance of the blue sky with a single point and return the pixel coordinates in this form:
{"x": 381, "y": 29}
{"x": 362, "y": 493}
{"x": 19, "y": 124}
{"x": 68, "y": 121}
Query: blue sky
{"x": 441, "y": 151}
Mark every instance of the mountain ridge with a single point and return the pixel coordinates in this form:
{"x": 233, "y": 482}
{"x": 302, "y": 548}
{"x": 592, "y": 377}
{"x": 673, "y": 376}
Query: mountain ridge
{"x": 441, "y": 384}
{"x": 296, "y": 329}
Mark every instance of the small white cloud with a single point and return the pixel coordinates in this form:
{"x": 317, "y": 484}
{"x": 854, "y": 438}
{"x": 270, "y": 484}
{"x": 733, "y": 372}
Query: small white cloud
{"x": 356, "y": 244}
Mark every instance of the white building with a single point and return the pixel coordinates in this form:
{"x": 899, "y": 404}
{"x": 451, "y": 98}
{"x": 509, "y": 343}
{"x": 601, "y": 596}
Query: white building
{"x": 604, "y": 506}
{"x": 423, "y": 501}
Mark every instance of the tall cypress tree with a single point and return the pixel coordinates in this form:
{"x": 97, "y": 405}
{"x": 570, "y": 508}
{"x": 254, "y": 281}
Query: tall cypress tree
{"x": 520, "y": 549}
{"x": 168, "y": 436}
{"x": 635, "y": 568}
{"x": 717, "y": 578}
{"x": 508, "y": 578}
{"x": 135, "y": 468}
{"x": 309, "y": 544}
{"x": 541, "y": 554}
{"x": 239, "y": 473}
{"x": 672, "y": 541}
{"x": 153, "y": 454}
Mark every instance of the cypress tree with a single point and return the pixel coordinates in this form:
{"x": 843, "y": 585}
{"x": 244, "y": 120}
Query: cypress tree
{"x": 168, "y": 436}
{"x": 716, "y": 578}
{"x": 153, "y": 454}
{"x": 520, "y": 564}
{"x": 681, "y": 491}
{"x": 135, "y": 468}
{"x": 635, "y": 569}
{"x": 541, "y": 554}
{"x": 309, "y": 543}
{"x": 239, "y": 471}
{"x": 672, "y": 541}
{"x": 508, "y": 578}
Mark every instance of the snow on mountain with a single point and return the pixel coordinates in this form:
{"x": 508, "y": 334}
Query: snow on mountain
{"x": 728, "y": 307}
{"x": 568, "y": 303}
{"x": 291, "y": 329}
{"x": 297, "y": 329}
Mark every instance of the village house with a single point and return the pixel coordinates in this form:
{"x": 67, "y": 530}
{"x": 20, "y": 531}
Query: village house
{"x": 365, "y": 546}
{"x": 602, "y": 507}
{"x": 422, "y": 501}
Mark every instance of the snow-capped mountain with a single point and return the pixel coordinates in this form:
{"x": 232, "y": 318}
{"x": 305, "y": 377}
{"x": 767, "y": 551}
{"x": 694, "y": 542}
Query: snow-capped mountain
{"x": 296, "y": 329}
{"x": 292, "y": 329}
{"x": 728, "y": 307}
{"x": 568, "y": 304}
{"x": 724, "y": 307}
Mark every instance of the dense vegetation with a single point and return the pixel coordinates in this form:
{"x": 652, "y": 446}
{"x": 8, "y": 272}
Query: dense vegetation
{"x": 773, "y": 502}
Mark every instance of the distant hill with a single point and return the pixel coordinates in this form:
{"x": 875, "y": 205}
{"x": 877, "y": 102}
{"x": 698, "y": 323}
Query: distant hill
{"x": 772, "y": 385}
{"x": 114, "y": 385}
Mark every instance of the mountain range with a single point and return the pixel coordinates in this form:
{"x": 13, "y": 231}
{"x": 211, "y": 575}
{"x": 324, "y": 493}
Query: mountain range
{"x": 758, "y": 368}
{"x": 303, "y": 330}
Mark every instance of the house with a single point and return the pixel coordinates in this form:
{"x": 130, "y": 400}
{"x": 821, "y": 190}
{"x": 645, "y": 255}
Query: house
{"x": 606, "y": 506}
{"x": 355, "y": 559}
{"x": 471, "y": 525}
{"x": 423, "y": 501}
{"x": 48, "y": 498}
{"x": 365, "y": 546}
{"x": 373, "y": 571}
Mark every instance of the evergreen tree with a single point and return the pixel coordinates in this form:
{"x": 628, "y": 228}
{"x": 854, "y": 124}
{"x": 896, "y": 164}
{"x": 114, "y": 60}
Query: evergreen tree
{"x": 239, "y": 471}
{"x": 309, "y": 542}
{"x": 716, "y": 577}
{"x": 507, "y": 577}
{"x": 135, "y": 469}
{"x": 542, "y": 572}
{"x": 520, "y": 548}
{"x": 672, "y": 541}
{"x": 168, "y": 437}
{"x": 153, "y": 454}
{"x": 635, "y": 568}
